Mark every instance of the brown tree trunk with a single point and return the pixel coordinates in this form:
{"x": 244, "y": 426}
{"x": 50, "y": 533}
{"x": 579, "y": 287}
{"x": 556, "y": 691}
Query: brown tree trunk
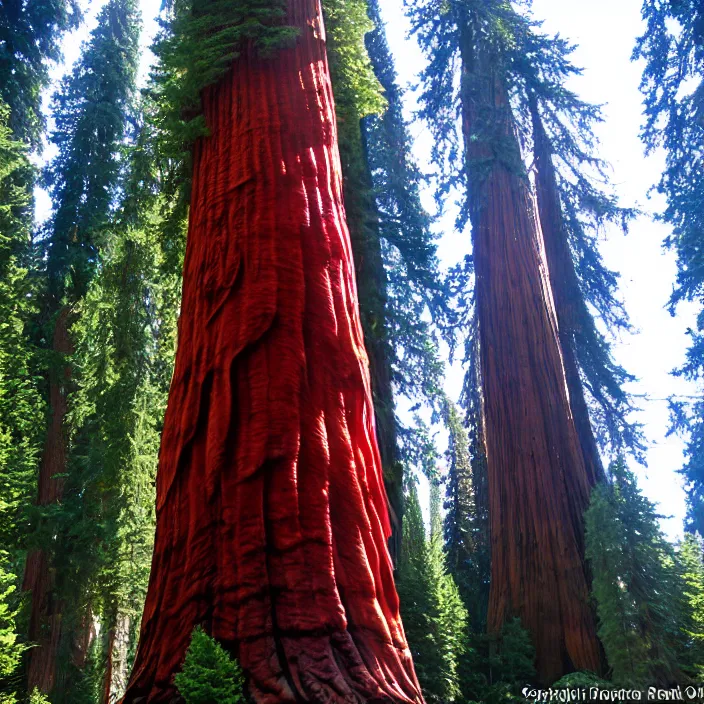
{"x": 271, "y": 511}
{"x": 107, "y": 675}
{"x": 45, "y": 616}
{"x": 538, "y": 483}
{"x": 565, "y": 290}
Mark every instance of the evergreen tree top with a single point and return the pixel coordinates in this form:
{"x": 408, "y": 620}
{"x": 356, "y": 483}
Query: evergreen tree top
{"x": 30, "y": 33}
{"x": 91, "y": 107}
{"x": 673, "y": 89}
{"x": 469, "y": 44}
{"x": 414, "y": 286}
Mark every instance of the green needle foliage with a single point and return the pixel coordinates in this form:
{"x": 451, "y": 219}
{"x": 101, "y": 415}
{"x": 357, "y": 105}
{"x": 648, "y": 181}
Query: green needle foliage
{"x": 465, "y": 524}
{"x": 22, "y": 409}
{"x": 30, "y": 34}
{"x": 690, "y": 557}
{"x": 21, "y": 405}
{"x": 456, "y": 36}
{"x": 499, "y": 667}
{"x": 394, "y": 252}
{"x": 10, "y": 650}
{"x": 90, "y": 109}
{"x": 673, "y": 48}
{"x": 433, "y": 614}
{"x": 125, "y": 342}
{"x": 636, "y": 584}
{"x": 414, "y": 300}
{"x": 209, "y": 674}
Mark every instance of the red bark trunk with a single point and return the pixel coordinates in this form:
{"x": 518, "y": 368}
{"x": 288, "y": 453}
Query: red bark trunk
{"x": 271, "y": 511}
{"x": 45, "y": 615}
{"x": 565, "y": 289}
{"x": 538, "y": 484}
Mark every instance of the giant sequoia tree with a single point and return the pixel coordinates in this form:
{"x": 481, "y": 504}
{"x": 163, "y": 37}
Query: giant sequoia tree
{"x": 90, "y": 113}
{"x": 525, "y": 384}
{"x": 538, "y": 483}
{"x": 575, "y": 203}
{"x": 271, "y": 509}
{"x": 124, "y": 359}
{"x": 29, "y": 39}
{"x": 673, "y": 86}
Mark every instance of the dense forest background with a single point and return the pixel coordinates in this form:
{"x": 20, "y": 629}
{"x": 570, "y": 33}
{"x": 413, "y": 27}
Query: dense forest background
{"x": 491, "y": 331}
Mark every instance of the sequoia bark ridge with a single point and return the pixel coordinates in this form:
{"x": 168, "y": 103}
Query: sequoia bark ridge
{"x": 563, "y": 280}
{"x": 539, "y": 485}
{"x": 271, "y": 511}
{"x": 46, "y": 609}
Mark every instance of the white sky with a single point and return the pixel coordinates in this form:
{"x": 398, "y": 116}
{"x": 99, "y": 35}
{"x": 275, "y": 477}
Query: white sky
{"x": 605, "y": 31}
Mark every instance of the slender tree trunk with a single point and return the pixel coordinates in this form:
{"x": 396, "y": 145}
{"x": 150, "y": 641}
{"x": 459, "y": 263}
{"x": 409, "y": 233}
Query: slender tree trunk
{"x": 538, "y": 483}
{"x": 117, "y": 650}
{"x": 106, "y": 691}
{"x": 117, "y": 647}
{"x": 271, "y": 511}
{"x": 45, "y": 615}
{"x": 565, "y": 290}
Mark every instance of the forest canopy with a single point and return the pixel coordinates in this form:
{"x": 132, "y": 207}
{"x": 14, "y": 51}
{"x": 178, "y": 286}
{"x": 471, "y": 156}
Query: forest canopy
{"x": 351, "y": 351}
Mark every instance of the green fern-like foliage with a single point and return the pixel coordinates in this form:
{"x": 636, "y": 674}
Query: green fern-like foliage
{"x": 21, "y": 407}
{"x": 690, "y": 557}
{"x": 9, "y": 652}
{"x": 433, "y": 614}
{"x": 36, "y": 697}
{"x": 199, "y": 44}
{"x": 635, "y": 584}
{"x": 209, "y": 674}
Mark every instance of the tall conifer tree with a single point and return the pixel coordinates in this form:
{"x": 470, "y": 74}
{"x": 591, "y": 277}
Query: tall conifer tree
{"x": 537, "y": 479}
{"x": 125, "y": 340}
{"x": 636, "y": 584}
{"x": 673, "y": 86}
{"x": 413, "y": 291}
{"x": 271, "y": 510}
{"x": 21, "y": 407}
{"x": 690, "y": 557}
{"x": 466, "y": 528}
{"x": 29, "y": 40}
{"x": 90, "y": 110}
{"x": 30, "y": 34}
{"x": 511, "y": 93}
{"x": 393, "y": 249}
{"x": 433, "y": 612}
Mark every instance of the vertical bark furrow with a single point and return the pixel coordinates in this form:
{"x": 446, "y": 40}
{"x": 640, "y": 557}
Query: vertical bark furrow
{"x": 271, "y": 513}
{"x": 45, "y": 616}
{"x": 537, "y": 479}
{"x": 565, "y": 287}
